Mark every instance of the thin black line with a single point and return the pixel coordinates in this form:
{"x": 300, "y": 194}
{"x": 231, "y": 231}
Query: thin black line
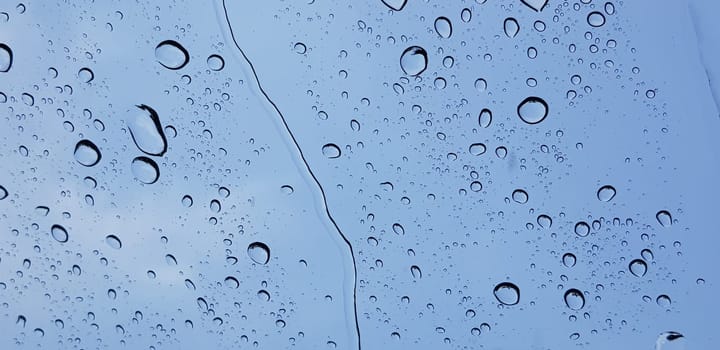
{"x": 307, "y": 166}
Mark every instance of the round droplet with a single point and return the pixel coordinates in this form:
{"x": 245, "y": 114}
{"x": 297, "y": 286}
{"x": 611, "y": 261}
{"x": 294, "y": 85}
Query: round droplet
{"x": 569, "y": 259}
{"x": 171, "y": 55}
{"x": 595, "y": 19}
{"x": 485, "y": 118}
{"x": 300, "y": 48}
{"x": 507, "y": 293}
{"x": 511, "y": 27}
{"x": 231, "y": 282}
{"x": 582, "y": 229}
{"x": 59, "y": 233}
{"x": 331, "y": 151}
{"x": 416, "y": 272}
{"x": 544, "y": 221}
{"x": 147, "y": 131}
{"x": 520, "y": 196}
{"x": 647, "y": 254}
{"x": 414, "y": 60}
{"x": 606, "y": 193}
{"x": 532, "y": 110}
{"x": 574, "y": 299}
{"x": 216, "y": 62}
{"x": 396, "y": 5}
{"x": 145, "y": 170}
{"x": 466, "y": 15}
{"x": 263, "y": 295}
{"x": 476, "y": 186}
{"x": 187, "y": 201}
{"x": 259, "y": 252}
{"x": 638, "y": 267}
{"x": 86, "y": 153}
{"x": 6, "y": 58}
{"x": 477, "y": 149}
{"x": 663, "y": 300}
{"x": 113, "y": 241}
{"x": 443, "y": 27}
{"x": 664, "y": 218}
{"x": 86, "y": 75}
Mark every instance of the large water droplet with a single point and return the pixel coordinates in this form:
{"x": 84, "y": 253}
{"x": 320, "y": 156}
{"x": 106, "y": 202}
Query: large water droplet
{"x": 511, "y": 27}
{"x": 638, "y": 267}
{"x": 113, "y": 241}
{"x": 537, "y": 5}
{"x": 582, "y": 229}
{"x": 507, "y": 293}
{"x": 569, "y": 259}
{"x": 187, "y": 201}
{"x": 59, "y": 233}
{"x": 414, "y": 60}
{"x": 396, "y": 5}
{"x": 606, "y": 193}
{"x": 443, "y": 27}
{"x": 145, "y": 170}
{"x": 6, "y": 58}
{"x": 574, "y": 299}
{"x": 259, "y": 252}
{"x": 86, "y": 153}
{"x": 520, "y": 196}
{"x": 532, "y": 110}
{"x": 485, "y": 118}
{"x": 171, "y": 55}
{"x": 664, "y": 218}
{"x": 147, "y": 132}
{"x": 595, "y": 19}
{"x": 331, "y": 151}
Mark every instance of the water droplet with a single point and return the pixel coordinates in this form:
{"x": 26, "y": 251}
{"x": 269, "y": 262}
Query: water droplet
{"x": 216, "y": 62}
{"x": 414, "y": 60}
{"x": 113, "y": 241}
{"x": 59, "y": 233}
{"x": 670, "y": 341}
{"x": 485, "y": 117}
{"x": 595, "y": 19}
{"x": 443, "y": 27}
{"x": 507, "y": 293}
{"x": 224, "y": 192}
{"x": 231, "y": 282}
{"x": 187, "y": 201}
{"x": 6, "y": 58}
{"x": 170, "y": 260}
{"x": 86, "y": 153}
{"x": 582, "y": 229}
{"x": 647, "y": 254}
{"x": 331, "y": 150}
{"x": 147, "y": 132}
{"x": 609, "y": 8}
{"x": 189, "y": 284}
{"x": 86, "y": 75}
{"x": 398, "y": 229}
{"x": 215, "y": 205}
{"x": 416, "y": 272}
{"x": 171, "y": 55}
{"x": 520, "y": 196}
{"x": 300, "y": 48}
{"x": 21, "y": 320}
{"x": 501, "y": 152}
{"x": 112, "y": 294}
{"x": 574, "y": 299}
{"x": 544, "y": 221}
{"x": 663, "y": 300}
{"x": 480, "y": 85}
{"x": 477, "y": 149}
{"x": 532, "y": 110}
{"x": 664, "y": 218}
{"x": 606, "y": 193}
{"x": 145, "y": 170}
{"x": 263, "y": 295}
{"x": 511, "y": 27}
{"x": 3, "y": 192}
{"x": 396, "y": 5}
{"x": 466, "y": 15}
{"x": 259, "y": 252}
{"x": 638, "y": 267}
{"x": 537, "y": 5}
{"x": 569, "y": 259}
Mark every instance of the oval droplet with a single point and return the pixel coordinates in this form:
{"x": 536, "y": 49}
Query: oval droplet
{"x": 477, "y": 149}
{"x": 443, "y": 27}
{"x": 398, "y": 229}
{"x": 145, "y": 170}
{"x": 231, "y": 282}
{"x": 416, "y": 272}
{"x": 664, "y": 218}
{"x": 507, "y": 293}
{"x": 574, "y": 299}
{"x": 171, "y": 55}
{"x": 485, "y": 118}
{"x": 113, "y": 241}
{"x": 466, "y": 15}
{"x": 147, "y": 132}
{"x": 59, "y": 233}
{"x": 520, "y": 196}
{"x": 86, "y": 153}
{"x": 638, "y": 267}
{"x": 596, "y": 19}
{"x": 216, "y": 62}
{"x": 6, "y": 58}
{"x": 569, "y": 259}
{"x": 396, "y": 5}
{"x": 414, "y": 60}
{"x": 511, "y": 27}
{"x": 86, "y": 75}
{"x": 532, "y": 110}
{"x": 259, "y": 252}
{"x": 331, "y": 151}
{"x": 606, "y": 193}
{"x": 582, "y": 229}
{"x": 544, "y": 221}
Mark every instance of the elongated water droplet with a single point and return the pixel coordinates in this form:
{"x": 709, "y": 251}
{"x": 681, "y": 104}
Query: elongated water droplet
{"x": 331, "y": 151}
{"x": 485, "y": 118}
{"x": 466, "y": 15}
{"x": 171, "y": 55}
{"x": 596, "y": 19}
{"x": 113, "y": 241}
{"x": 574, "y": 299}
{"x": 147, "y": 132}
{"x": 170, "y": 259}
{"x": 396, "y": 5}
{"x": 606, "y": 193}
{"x": 520, "y": 196}
{"x": 86, "y": 153}
{"x": 511, "y": 27}
{"x": 507, "y": 293}
{"x": 582, "y": 229}
{"x": 145, "y": 170}
{"x": 416, "y": 272}
{"x": 259, "y": 252}
{"x": 664, "y": 218}
{"x": 569, "y": 259}
{"x": 59, "y": 233}
{"x": 638, "y": 267}
{"x": 537, "y": 5}
{"x": 6, "y": 58}
{"x": 398, "y": 229}
{"x": 443, "y": 27}
{"x": 532, "y": 110}
{"x": 414, "y": 60}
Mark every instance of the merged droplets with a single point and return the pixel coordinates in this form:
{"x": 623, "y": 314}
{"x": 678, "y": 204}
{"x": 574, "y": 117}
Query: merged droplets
{"x": 606, "y": 193}
{"x": 331, "y": 151}
{"x": 596, "y": 19}
{"x": 171, "y": 55}
{"x": 6, "y": 58}
{"x": 638, "y": 267}
{"x": 520, "y": 196}
{"x": 59, "y": 233}
{"x": 664, "y": 218}
{"x": 215, "y": 62}
{"x": 145, "y": 170}
{"x": 443, "y": 27}
{"x": 485, "y": 118}
{"x": 574, "y": 299}
{"x": 532, "y": 110}
{"x": 582, "y": 229}
{"x": 259, "y": 252}
{"x": 147, "y": 132}
{"x": 414, "y": 60}
{"x": 507, "y": 293}
{"x": 396, "y": 5}
{"x": 511, "y": 27}
{"x": 113, "y": 241}
{"x": 86, "y": 153}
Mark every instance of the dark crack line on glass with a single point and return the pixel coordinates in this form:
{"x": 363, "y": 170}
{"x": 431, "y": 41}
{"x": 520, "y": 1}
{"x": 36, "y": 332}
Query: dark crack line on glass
{"x": 307, "y": 167}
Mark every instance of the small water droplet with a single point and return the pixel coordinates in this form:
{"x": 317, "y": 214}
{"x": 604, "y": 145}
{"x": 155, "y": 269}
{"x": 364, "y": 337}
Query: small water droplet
{"x": 569, "y": 259}
{"x": 187, "y": 201}
{"x": 511, "y": 27}
{"x": 398, "y": 229}
{"x": 6, "y": 58}
{"x": 532, "y": 110}
{"x": 145, "y": 170}
{"x": 443, "y": 27}
{"x": 300, "y": 48}
{"x": 215, "y": 205}
{"x": 480, "y": 85}
{"x": 263, "y": 295}
{"x": 171, "y": 55}
{"x": 86, "y": 75}
{"x": 606, "y": 193}
{"x": 21, "y": 320}
{"x": 113, "y": 241}
{"x": 396, "y": 5}
{"x": 520, "y": 196}
{"x": 259, "y": 252}
{"x": 663, "y": 300}
{"x": 664, "y": 218}
{"x": 331, "y": 150}
{"x": 477, "y": 149}
{"x": 416, "y": 272}
{"x": 544, "y": 221}
{"x": 147, "y": 132}
{"x": 485, "y": 118}
{"x": 86, "y": 153}
{"x": 112, "y": 294}
{"x": 596, "y": 19}
{"x": 574, "y": 299}
{"x": 414, "y": 60}
{"x": 231, "y": 282}
{"x": 466, "y": 15}
{"x": 638, "y": 267}
{"x": 507, "y": 293}
{"x": 215, "y": 62}
{"x": 59, "y": 233}
{"x": 582, "y": 229}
